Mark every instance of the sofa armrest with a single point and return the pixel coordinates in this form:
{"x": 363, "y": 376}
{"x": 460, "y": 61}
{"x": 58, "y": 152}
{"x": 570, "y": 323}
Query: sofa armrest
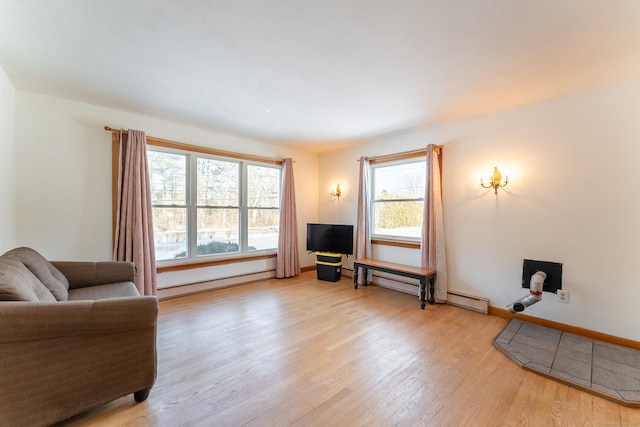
{"x": 61, "y": 358}
{"x": 81, "y": 274}
{"x": 27, "y": 321}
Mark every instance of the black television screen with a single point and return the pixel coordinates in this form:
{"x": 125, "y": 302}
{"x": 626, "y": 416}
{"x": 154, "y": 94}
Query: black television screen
{"x": 334, "y": 238}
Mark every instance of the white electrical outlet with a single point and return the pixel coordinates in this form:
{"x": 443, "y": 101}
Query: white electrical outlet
{"x": 563, "y": 296}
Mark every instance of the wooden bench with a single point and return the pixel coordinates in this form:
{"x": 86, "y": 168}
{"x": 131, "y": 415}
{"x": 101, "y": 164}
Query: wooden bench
{"x": 422, "y": 274}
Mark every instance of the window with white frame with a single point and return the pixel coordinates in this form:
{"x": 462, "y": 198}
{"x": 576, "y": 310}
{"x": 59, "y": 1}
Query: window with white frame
{"x": 397, "y": 200}
{"x": 206, "y": 205}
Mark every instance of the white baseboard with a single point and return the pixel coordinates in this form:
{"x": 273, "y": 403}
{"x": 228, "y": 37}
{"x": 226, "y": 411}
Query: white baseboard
{"x": 176, "y": 291}
{"x": 469, "y": 302}
{"x": 396, "y": 285}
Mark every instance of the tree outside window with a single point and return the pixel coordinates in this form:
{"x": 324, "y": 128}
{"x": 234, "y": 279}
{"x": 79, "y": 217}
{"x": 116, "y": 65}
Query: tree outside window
{"x": 218, "y": 206}
{"x": 168, "y": 175}
{"x": 398, "y": 199}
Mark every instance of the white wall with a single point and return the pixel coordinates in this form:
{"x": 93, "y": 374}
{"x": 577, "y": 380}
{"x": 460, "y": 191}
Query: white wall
{"x": 7, "y": 164}
{"x": 64, "y": 178}
{"x": 572, "y": 163}
{"x": 573, "y": 198}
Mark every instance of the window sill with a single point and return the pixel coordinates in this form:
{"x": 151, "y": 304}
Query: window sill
{"x": 212, "y": 263}
{"x": 397, "y": 243}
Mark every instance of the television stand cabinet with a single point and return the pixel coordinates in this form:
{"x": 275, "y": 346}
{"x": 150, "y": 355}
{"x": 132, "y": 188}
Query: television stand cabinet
{"x": 422, "y": 274}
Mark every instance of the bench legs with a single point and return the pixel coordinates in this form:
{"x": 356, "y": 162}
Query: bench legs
{"x": 365, "y": 273}
{"x": 422, "y": 289}
{"x": 355, "y": 275}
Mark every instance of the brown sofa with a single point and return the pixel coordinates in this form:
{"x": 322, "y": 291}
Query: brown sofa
{"x": 73, "y": 335}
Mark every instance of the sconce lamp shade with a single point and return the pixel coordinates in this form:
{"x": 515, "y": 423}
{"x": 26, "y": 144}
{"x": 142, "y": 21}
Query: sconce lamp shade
{"x": 336, "y": 192}
{"x": 495, "y": 181}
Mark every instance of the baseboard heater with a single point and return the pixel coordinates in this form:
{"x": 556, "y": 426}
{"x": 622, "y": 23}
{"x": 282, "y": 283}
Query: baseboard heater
{"x": 209, "y": 285}
{"x": 481, "y": 305}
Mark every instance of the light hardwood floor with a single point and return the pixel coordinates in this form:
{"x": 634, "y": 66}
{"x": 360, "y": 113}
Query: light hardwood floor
{"x": 302, "y": 352}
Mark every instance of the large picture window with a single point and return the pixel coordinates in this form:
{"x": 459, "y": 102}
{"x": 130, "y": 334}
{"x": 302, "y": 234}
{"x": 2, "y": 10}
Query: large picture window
{"x": 205, "y": 205}
{"x": 397, "y": 200}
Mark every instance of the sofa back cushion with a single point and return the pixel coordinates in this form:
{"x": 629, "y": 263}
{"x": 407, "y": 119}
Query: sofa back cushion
{"x": 18, "y": 283}
{"x": 50, "y": 276}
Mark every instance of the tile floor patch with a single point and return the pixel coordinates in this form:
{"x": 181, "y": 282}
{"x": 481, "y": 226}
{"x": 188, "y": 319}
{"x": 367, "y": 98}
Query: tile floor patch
{"x": 572, "y": 367}
{"x": 530, "y": 342}
{"x": 566, "y": 352}
{"x": 540, "y": 333}
{"x": 576, "y": 342}
{"x": 607, "y": 370}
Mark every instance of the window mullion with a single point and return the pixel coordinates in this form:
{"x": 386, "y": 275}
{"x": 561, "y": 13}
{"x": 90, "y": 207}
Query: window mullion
{"x": 243, "y": 210}
{"x": 416, "y": 199}
{"x": 192, "y": 206}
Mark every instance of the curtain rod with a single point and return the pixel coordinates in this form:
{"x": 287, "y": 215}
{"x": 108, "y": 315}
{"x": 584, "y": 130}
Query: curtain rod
{"x": 166, "y": 143}
{"x": 403, "y": 155}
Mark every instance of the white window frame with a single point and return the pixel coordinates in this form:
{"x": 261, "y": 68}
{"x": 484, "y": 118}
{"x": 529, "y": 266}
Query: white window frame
{"x": 192, "y": 206}
{"x": 374, "y": 201}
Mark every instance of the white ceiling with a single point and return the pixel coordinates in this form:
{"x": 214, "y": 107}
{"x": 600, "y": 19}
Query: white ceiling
{"x": 318, "y": 73}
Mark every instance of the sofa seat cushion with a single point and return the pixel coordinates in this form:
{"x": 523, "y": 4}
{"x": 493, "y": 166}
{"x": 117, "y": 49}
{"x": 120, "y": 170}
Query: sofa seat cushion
{"x": 18, "y": 283}
{"x": 48, "y": 275}
{"x": 112, "y": 290}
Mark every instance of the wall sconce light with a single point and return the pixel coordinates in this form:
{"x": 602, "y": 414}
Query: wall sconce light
{"x": 336, "y": 192}
{"x": 495, "y": 179}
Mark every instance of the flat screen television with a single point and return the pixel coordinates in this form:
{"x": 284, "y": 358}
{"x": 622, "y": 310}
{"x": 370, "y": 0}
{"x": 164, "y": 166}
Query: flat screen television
{"x": 334, "y": 238}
